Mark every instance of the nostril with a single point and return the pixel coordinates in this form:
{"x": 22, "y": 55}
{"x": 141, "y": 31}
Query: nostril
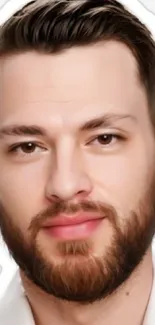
{"x": 54, "y": 197}
{"x": 82, "y": 193}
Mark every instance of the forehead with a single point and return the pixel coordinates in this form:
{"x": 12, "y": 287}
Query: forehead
{"x": 76, "y": 83}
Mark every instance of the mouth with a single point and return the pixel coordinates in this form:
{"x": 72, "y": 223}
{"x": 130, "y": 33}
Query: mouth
{"x": 73, "y": 227}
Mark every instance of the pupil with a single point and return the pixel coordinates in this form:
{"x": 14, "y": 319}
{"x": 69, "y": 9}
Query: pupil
{"x": 106, "y": 138}
{"x": 28, "y": 147}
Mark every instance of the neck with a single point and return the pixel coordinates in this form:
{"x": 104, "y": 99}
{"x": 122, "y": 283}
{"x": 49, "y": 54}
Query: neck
{"x": 116, "y": 309}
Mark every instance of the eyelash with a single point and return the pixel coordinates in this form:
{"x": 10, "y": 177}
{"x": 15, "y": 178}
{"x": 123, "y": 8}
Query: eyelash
{"x": 117, "y": 137}
{"x": 14, "y": 148}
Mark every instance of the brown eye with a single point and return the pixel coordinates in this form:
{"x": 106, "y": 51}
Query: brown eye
{"x": 25, "y": 148}
{"x": 28, "y": 147}
{"x": 105, "y": 139}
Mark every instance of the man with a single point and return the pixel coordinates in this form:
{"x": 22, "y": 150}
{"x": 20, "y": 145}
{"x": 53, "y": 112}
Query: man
{"x": 77, "y": 158}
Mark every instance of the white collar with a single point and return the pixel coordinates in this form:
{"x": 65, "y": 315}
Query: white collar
{"x": 14, "y": 306}
{"x": 150, "y": 312}
{"x": 15, "y": 309}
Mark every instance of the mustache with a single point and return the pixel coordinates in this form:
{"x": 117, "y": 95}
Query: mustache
{"x": 62, "y": 207}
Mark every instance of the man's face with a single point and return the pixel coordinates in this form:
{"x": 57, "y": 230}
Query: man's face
{"x": 76, "y": 167}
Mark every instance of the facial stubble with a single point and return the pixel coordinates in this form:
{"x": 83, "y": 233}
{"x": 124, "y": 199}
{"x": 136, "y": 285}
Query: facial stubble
{"x": 81, "y": 276}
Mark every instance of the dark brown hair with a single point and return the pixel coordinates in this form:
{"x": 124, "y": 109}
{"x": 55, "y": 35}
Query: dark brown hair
{"x": 51, "y": 26}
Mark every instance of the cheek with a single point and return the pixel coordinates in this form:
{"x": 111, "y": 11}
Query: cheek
{"x": 21, "y": 191}
{"x": 120, "y": 179}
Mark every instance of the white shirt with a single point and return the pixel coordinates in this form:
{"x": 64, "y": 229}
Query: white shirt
{"x": 8, "y": 267}
{"x": 15, "y": 309}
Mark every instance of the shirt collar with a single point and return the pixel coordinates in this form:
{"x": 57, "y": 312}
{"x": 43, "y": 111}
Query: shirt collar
{"x": 15, "y": 308}
{"x": 150, "y": 312}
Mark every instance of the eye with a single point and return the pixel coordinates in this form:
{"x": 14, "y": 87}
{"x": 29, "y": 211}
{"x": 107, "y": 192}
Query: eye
{"x": 106, "y": 139}
{"x": 26, "y": 148}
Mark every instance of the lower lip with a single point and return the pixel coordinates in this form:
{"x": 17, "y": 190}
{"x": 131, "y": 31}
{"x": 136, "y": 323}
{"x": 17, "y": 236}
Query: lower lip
{"x": 77, "y": 231}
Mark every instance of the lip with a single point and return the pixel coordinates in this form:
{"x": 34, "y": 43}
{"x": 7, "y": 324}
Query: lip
{"x": 71, "y": 220}
{"x": 73, "y": 227}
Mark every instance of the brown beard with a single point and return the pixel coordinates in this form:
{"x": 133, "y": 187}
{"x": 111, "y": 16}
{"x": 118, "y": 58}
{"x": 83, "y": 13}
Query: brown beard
{"x": 81, "y": 276}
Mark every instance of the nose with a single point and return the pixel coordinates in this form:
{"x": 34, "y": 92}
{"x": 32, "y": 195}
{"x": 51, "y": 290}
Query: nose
{"x": 68, "y": 180}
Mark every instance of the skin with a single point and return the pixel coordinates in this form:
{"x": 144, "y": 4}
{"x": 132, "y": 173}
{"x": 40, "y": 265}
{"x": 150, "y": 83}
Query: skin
{"x": 60, "y": 93}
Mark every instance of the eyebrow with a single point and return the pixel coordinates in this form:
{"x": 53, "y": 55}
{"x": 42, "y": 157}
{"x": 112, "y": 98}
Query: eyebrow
{"x": 15, "y": 130}
{"x": 103, "y": 121}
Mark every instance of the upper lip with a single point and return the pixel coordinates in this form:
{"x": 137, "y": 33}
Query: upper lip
{"x": 69, "y": 220}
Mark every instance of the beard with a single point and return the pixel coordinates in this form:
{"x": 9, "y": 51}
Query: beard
{"x": 81, "y": 276}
